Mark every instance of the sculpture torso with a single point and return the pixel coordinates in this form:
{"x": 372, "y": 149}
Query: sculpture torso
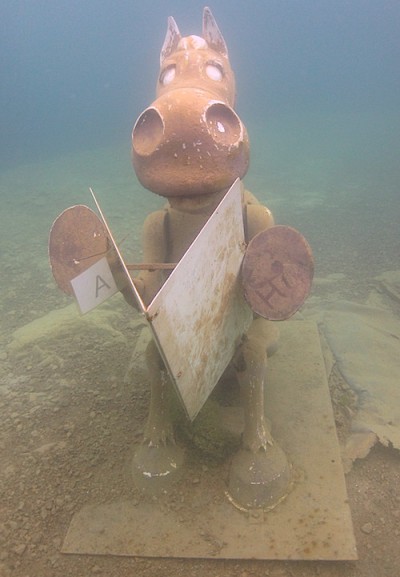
{"x": 168, "y": 233}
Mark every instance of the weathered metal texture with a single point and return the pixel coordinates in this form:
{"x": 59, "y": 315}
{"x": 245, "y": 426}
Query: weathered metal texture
{"x": 190, "y": 141}
{"x": 277, "y": 272}
{"x": 199, "y": 315}
{"x": 77, "y": 240}
{"x": 188, "y": 144}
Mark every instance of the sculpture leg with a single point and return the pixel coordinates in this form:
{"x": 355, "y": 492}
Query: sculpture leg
{"x": 158, "y": 430}
{"x": 158, "y": 460}
{"x": 260, "y": 473}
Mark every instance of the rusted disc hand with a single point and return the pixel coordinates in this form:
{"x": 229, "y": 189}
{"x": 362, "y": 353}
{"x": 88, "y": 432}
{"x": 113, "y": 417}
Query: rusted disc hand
{"x": 277, "y": 272}
{"x": 77, "y": 240}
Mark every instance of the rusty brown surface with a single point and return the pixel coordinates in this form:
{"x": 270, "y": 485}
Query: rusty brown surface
{"x": 190, "y": 141}
{"x": 77, "y": 240}
{"x": 187, "y": 144}
{"x": 277, "y": 272}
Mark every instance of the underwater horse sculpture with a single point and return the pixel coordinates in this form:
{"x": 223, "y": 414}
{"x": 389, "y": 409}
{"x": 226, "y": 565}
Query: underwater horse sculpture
{"x": 189, "y": 146}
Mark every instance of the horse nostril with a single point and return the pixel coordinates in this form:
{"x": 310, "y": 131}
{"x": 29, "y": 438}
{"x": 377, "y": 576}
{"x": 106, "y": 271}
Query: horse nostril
{"x": 147, "y": 132}
{"x": 223, "y": 124}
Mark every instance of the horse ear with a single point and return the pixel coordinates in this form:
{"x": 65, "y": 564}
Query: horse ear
{"x": 171, "y": 41}
{"x": 212, "y": 34}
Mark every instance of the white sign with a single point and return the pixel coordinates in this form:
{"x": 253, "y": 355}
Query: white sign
{"x": 199, "y": 314}
{"x": 94, "y": 285}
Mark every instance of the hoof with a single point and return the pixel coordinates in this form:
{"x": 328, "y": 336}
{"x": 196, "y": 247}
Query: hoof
{"x": 259, "y": 480}
{"x": 155, "y": 469}
{"x": 272, "y": 348}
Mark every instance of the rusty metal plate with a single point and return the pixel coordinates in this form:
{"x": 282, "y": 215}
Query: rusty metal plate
{"x": 277, "y": 272}
{"x": 77, "y": 240}
{"x": 199, "y": 315}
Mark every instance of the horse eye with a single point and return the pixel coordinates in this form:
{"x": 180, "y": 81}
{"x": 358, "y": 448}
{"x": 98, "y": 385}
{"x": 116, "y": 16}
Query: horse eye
{"x": 167, "y": 75}
{"x": 214, "y": 71}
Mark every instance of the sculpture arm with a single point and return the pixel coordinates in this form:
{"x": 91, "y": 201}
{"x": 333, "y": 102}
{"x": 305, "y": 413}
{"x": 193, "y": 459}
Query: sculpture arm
{"x": 258, "y": 217}
{"x": 154, "y": 243}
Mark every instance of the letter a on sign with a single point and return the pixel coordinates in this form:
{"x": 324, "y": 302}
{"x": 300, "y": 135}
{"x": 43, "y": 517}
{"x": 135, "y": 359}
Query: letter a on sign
{"x": 100, "y": 284}
{"x": 94, "y": 285}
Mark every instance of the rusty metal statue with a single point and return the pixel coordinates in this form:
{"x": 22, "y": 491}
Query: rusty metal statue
{"x": 189, "y": 146}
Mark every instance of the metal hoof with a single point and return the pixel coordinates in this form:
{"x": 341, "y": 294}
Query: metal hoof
{"x": 259, "y": 480}
{"x": 155, "y": 469}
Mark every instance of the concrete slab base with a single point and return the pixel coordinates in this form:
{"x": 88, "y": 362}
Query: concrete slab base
{"x": 314, "y": 520}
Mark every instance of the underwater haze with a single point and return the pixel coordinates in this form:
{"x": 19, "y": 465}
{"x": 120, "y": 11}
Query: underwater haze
{"x": 76, "y": 74}
{"x": 318, "y": 87}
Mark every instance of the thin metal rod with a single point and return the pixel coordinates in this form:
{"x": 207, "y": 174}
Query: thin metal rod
{"x": 131, "y": 284}
{"x": 152, "y": 266}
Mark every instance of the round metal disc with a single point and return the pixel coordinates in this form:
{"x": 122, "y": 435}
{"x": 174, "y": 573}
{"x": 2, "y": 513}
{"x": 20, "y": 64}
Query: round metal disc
{"x": 77, "y": 240}
{"x": 277, "y": 272}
